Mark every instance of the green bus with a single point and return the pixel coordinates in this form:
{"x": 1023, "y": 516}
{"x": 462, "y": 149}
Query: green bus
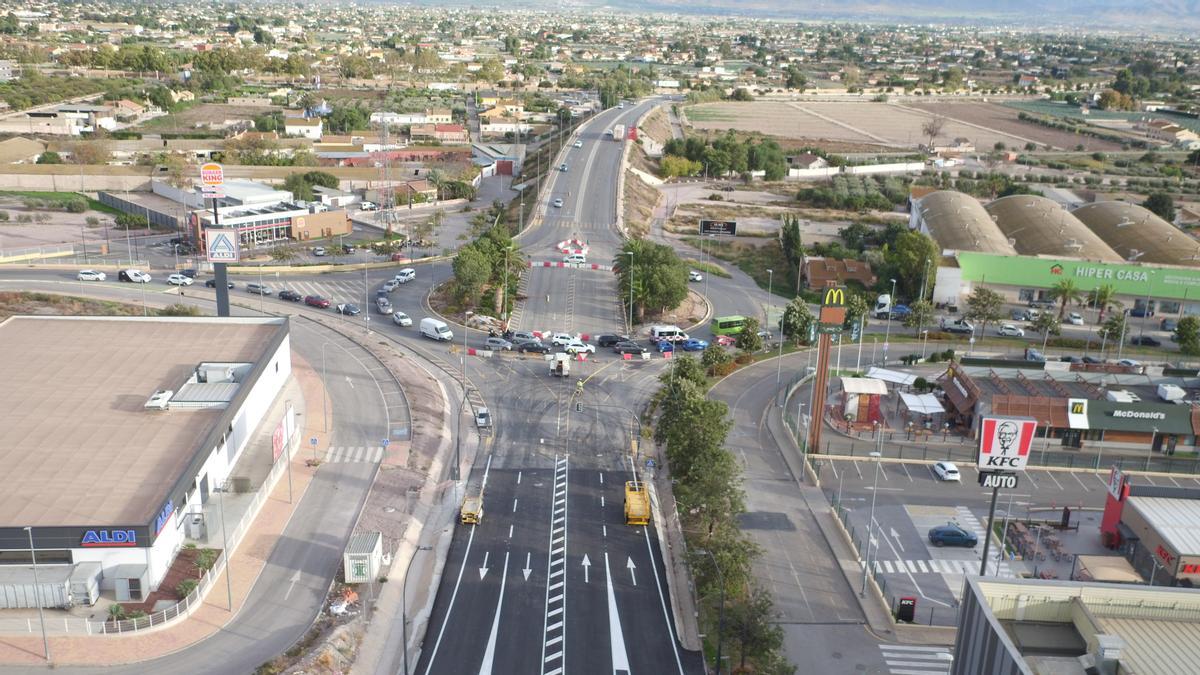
{"x": 728, "y": 325}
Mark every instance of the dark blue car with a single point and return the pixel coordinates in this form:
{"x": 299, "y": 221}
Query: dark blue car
{"x": 952, "y": 535}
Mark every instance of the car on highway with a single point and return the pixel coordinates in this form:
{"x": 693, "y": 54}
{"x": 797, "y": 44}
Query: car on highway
{"x": 290, "y": 295}
{"x": 629, "y": 347}
{"x": 664, "y": 346}
{"x": 1023, "y": 314}
{"x": 483, "y": 418}
{"x": 189, "y": 273}
{"x": 946, "y": 471}
{"x": 316, "y": 301}
{"x": 1034, "y": 355}
{"x": 258, "y": 289}
{"x": 319, "y": 251}
{"x": 579, "y": 144}
{"x": 1129, "y": 363}
{"x": 693, "y": 275}
{"x": 368, "y": 206}
{"x": 498, "y": 344}
{"x": 401, "y": 319}
{"x": 212, "y": 283}
{"x": 726, "y": 340}
{"x": 91, "y": 275}
{"x": 405, "y": 275}
{"x": 961, "y": 326}
{"x": 694, "y": 345}
{"x": 1168, "y": 325}
{"x": 560, "y": 339}
{"x": 1010, "y": 330}
{"x": 383, "y": 305}
{"x": 610, "y": 339}
{"x": 533, "y": 348}
{"x": 521, "y": 336}
{"x": 952, "y": 535}
{"x": 562, "y": 167}
{"x": 1145, "y": 341}
{"x": 558, "y": 202}
{"x": 390, "y": 285}
{"x": 764, "y": 334}
{"x": 1075, "y": 319}
{"x": 179, "y": 280}
{"x": 1092, "y": 359}
{"x": 133, "y": 276}
{"x": 348, "y": 308}
{"x": 576, "y": 346}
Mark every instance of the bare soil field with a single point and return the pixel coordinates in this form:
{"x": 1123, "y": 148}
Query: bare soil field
{"x": 1005, "y": 119}
{"x": 205, "y": 113}
{"x": 770, "y": 118}
{"x": 60, "y": 228}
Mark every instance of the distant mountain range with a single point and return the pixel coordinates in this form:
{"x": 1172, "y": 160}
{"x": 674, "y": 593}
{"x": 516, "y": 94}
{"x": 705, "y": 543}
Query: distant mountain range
{"x": 1117, "y": 15}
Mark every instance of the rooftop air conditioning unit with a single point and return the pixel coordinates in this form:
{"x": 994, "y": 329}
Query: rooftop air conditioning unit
{"x": 160, "y": 400}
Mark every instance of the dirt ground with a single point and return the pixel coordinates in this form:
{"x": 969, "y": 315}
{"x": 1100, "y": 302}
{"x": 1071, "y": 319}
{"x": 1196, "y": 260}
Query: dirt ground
{"x": 655, "y": 126}
{"x": 1005, "y": 119}
{"x": 204, "y": 114}
{"x": 62, "y": 228}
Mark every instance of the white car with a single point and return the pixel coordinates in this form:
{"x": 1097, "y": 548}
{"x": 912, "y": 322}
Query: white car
{"x": 391, "y": 285}
{"x": 179, "y": 280}
{"x": 695, "y": 276}
{"x": 405, "y": 275}
{"x": 579, "y": 144}
{"x": 401, "y": 319}
{"x": 1075, "y": 319}
{"x": 368, "y": 206}
{"x": 1130, "y": 363}
{"x": 946, "y": 471}
{"x": 1010, "y": 330}
{"x": 319, "y": 251}
{"x": 558, "y": 203}
{"x": 91, "y": 275}
{"x": 560, "y": 339}
{"x": 576, "y": 346}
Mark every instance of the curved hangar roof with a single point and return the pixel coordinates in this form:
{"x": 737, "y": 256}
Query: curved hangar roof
{"x": 959, "y": 222}
{"x": 1039, "y": 226}
{"x": 1137, "y": 234}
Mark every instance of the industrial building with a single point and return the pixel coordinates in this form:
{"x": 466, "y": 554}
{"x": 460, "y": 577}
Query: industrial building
{"x": 114, "y": 438}
{"x": 1155, "y": 527}
{"x": 1030, "y": 627}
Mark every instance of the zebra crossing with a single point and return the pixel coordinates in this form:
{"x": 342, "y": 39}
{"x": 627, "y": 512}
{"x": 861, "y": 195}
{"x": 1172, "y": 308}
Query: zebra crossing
{"x": 372, "y": 455}
{"x": 968, "y": 521}
{"x": 917, "y": 659}
{"x": 937, "y": 567}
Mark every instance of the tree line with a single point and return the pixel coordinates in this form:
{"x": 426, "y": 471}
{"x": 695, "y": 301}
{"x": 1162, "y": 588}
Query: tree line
{"x": 727, "y": 154}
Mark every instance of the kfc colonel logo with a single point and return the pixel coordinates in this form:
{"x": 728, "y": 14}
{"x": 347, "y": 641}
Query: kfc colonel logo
{"x": 1004, "y": 443}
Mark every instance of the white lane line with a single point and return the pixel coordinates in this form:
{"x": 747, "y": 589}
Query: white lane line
{"x": 1172, "y": 479}
{"x": 914, "y": 648}
{"x": 904, "y": 671}
{"x": 514, "y": 505}
{"x": 857, "y": 469}
{"x": 906, "y": 473}
{"x": 446, "y": 619}
{"x": 518, "y": 478}
{"x": 1029, "y": 477}
{"x": 662, "y": 602}
{"x": 620, "y": 659}
{"x": 601, "y": 501}
{"x": 490, "y": 654}
{"x": 1051, "y": 475}
{"x": 1076, "y": 477}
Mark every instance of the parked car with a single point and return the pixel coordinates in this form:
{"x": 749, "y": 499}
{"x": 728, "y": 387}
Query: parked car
{"x": 533, "y": 348}
{"x": 1010, "y": 330}
{"x": 498, "y": 344}
{"x": 212, "y": 283}
{"x": 483, "y": 418}
{"x": 1092, "y": 359}
{"x": 946, "y": 471}
{"x": 1070, "y": 359}
{"x": 348, "y": 308}
{"x": 579, "y": 144}
{"x": 290, "y": 295}
{"x": 1168, "y": 325}
{"x": 900, "y": 312}
{"x": 1145, "y": 341}
{"x": 558, "y": 202}
{"x": 368, "y": 206}
{"x": 319, "y": 251}
{"x": 695, "y": 276}
{"x": 1021, "y": 315}
{"x": 316, "y": 301}
{"x": 1141, "y": 312}
{"x": 133, "y": 276}
{"x": 1075, "y": 319}
{"x": 952, "y": 535}
{"x": 1129, "y": 363}
{"x": 401, "y": 319}
{"x": 91, "y": 275}
{"x": 576, "y": 346}
{"x": 694, "y": 345}
{"x": 609, "y": 339}
{"x": 560, "y": 339}
{"x": 628, "y": 347}
{"x": 726, "y": 340}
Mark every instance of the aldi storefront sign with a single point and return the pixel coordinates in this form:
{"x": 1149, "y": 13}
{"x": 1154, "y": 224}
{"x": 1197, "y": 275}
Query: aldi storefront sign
{"x": 1034, "y": 272}
{"x": 108, "y": 538}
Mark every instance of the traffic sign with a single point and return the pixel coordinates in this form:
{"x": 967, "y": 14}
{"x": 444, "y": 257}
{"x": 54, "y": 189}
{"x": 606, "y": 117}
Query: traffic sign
{"x": 221, "y": 245}
{"x": 386, "y": 442}
{"x": 650, "y": 463}
{"x": 313, "y": 440}
{"x": 994, "y": 479}
{"x": 212, "y": 174}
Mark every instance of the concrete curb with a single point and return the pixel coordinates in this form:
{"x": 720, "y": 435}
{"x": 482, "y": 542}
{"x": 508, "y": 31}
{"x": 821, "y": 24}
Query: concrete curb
{"x": 678, "y": 573}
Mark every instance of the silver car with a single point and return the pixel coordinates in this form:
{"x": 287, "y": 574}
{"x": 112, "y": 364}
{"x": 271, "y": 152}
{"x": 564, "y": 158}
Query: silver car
{"x": 499, "y": 344}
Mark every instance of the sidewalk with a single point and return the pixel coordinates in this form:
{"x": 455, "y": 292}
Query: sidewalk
{"x": 246, "y": 564}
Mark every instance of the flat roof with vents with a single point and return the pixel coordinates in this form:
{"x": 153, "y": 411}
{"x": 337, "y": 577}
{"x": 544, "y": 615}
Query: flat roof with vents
{"x": 77, "y": 444}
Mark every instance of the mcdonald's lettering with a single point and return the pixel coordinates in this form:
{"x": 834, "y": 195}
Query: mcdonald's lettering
{"x": 834, "y": 297}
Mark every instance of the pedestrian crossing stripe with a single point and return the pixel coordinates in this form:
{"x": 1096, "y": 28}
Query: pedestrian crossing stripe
{"x": 917, "y": 659}
{"x": 937, "y": 567}
{"x": 355, "y": 454}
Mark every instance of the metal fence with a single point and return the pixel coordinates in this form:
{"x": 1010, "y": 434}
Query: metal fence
{"x": 183, "y": 608}
{"x": 51, "y": 252}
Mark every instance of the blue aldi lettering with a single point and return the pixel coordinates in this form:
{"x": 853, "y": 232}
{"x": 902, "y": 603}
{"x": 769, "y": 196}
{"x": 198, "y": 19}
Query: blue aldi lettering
{"x": 99, "y": 538}
{"x": 164, "y": 516}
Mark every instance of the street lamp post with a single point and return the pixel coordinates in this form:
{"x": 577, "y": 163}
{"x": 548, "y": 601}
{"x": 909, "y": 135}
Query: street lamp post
{"x": 721, "y": 611}
{"x": 887, "y": 332}
{"x": 225, "y": 546}
{"x": 630, "y": 254}
{"x": 37, "y": 593}
{"x": 925, "y": 343}
{"x": 404, "y": 605}
{"x": 871, "y": 522}
{"x": 767, "y": 309}
{"x": 324, "y": 390}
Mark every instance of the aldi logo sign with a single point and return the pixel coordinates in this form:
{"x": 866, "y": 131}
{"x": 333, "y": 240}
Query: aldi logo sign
{"x": 106, "y": 538}
{"x": 1004, "y": 443}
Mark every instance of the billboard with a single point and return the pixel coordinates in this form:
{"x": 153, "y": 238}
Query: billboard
{"x": 221, "y": 245}
{"x": 1126, "y": 278}
{"x": 725, "y": 227}
{"x": 1004, "y": 443}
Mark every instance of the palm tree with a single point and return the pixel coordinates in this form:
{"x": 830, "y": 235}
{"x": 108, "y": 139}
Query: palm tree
{"x": 1065, "y": 291}
{"x": 437, "y": 178}
{"x": 1103, "y": 298}
{"x": 627, "y": 266}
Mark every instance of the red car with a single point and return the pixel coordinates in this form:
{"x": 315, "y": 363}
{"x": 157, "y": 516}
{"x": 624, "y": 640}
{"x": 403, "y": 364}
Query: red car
{"x": 316, "y": 301}
{"x": 725, "y": 340}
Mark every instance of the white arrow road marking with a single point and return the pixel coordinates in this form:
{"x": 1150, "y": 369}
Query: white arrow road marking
{"x": 587, "y": 565}
{"x": 490, "y": 655}
{"x": 620, "y": 659}
{"x": 527, "y": 569}
{"x": 896, "y": 536}
{"x": 293, "y": 579}
{"x": 483, "y": 569}
{"x": 349, "y": 382}
{"x": 631, "y": 567}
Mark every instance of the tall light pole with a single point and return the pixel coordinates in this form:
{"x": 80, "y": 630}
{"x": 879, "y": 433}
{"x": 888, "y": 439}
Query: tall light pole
{"x": 37, "y": 593}
{"x": 767, "y": 309}
{"x": 721, "y": 611}
{"x": 324, "y": 392}
{"x": 1146, "y": 308}
{"x": 404, "y": 606}
{"x": 887, "y": 332}
{"x": 925, "y": 343}
{"x": 630, "y": 254}
{"x": 871, "y": 523}
{"x": 225, "y": 546}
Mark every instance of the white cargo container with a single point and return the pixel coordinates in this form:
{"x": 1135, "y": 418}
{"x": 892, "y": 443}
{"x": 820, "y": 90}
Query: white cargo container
{"x": 18, "y": 591}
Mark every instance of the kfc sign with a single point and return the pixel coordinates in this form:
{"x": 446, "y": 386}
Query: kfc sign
{"x": 1004, "y": 443}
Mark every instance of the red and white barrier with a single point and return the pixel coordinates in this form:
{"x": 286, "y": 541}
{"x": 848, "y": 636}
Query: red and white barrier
{"x": 585, "y": 266}
{"x": 572, "y": 246}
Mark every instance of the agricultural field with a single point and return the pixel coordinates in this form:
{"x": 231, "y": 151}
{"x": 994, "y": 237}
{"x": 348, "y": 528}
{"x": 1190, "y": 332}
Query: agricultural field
{"x": 884, "y": 124}
{"x": 203, "y": 114}
{"x": 1004, "y": 118}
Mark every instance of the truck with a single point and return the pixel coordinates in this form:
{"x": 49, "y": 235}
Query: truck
{"x": 637, "y": 503}
{"x": 472, "y": 505}
{"x": 560, "y": 365}
{"x": 618, "y": 132}
{"x": 883, "y": 306}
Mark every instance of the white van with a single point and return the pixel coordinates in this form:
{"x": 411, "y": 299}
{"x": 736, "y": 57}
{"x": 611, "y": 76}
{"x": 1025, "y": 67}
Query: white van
{"x": 406, "y": 275}
{"x": 435, "y": 329}
{"x": 575, "y": 259}
{"x": 668, "y": 333}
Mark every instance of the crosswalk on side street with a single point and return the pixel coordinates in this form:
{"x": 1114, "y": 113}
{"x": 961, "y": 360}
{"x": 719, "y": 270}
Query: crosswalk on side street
{"x": 355, "y": 454}
{"x": 938, "y": 567}
{"x": 917, "y": 659}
